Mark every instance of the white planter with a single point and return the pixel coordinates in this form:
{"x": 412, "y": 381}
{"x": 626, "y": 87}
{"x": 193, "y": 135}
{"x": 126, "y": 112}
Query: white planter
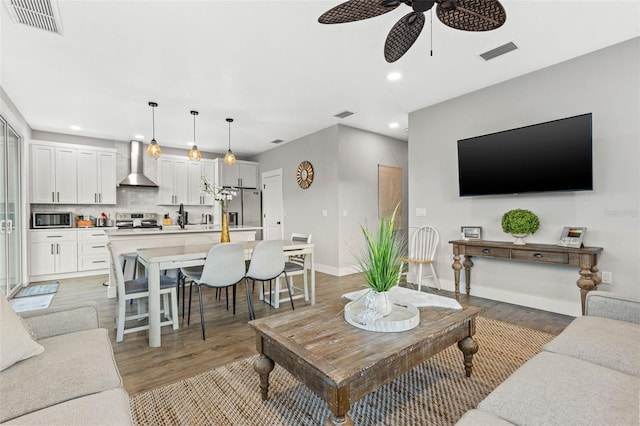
{"x": 519, "y": 239}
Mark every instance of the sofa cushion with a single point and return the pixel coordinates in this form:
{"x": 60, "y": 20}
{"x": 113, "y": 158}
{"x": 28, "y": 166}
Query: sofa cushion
{"x": 110, "y": 407}
{"x": 553, "y": 389}
{"x": 15, "y": 342}
{"x": 481, "y": 418}
{"x": 607, "y": 342}
{"x": 72, "y": 365}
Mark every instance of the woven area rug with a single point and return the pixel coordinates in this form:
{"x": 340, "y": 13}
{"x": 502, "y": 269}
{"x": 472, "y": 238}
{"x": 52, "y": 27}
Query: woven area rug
{"x": 434, "y": 393}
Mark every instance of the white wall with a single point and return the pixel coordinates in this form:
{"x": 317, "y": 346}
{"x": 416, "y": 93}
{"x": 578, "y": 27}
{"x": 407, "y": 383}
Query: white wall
{"x": 606, "y": 83}
{"x": 345, "y": 162}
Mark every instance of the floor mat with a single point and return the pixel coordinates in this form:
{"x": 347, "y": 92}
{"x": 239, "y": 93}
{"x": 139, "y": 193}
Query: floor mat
{"x": 38, "y": 290}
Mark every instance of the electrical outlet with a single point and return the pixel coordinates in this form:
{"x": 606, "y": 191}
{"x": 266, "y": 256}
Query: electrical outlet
{"x": 607, "y": 277}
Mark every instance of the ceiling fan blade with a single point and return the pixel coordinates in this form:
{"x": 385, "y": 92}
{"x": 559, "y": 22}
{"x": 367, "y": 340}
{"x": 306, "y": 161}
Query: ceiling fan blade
{"x": 402, "y": 36}
{"x": 472, "y": 15}
{"x": 357, "y": 10}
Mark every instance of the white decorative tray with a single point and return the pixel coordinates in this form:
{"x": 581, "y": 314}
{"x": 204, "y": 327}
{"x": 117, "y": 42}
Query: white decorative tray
{"x": 403, "y": 317}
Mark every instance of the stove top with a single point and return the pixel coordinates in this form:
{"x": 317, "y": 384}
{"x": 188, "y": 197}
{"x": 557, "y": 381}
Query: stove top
{"x": 137, "y": 220}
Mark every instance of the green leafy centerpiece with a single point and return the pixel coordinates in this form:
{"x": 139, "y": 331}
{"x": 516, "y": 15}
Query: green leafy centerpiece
{"x": 520, "y": 223}
{"x": 380, "y": 264}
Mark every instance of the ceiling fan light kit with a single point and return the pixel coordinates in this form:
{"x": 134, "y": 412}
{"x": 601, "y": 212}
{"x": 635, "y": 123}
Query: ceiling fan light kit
{"x": 153, "y": 149}
{"x": 465, "y": 15}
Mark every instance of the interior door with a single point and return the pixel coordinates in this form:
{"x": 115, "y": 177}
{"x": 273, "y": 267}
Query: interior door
{"x": 272, "y": 205}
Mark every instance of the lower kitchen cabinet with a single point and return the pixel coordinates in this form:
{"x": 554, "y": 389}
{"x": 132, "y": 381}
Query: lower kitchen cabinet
{"x": 53, "y": 252}
{"x": 67, "y": 253}
{"x": 92, "y": 250}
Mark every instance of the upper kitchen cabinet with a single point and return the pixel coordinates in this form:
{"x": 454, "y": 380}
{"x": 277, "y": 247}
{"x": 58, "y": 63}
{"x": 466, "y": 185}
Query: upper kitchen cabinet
{"x": 53, "y": 174}
{"x": 96, "y": 176}
{"x": 243, "y": 174}
{"x": 173, "y": 180}
{"x": 198, "y": 170}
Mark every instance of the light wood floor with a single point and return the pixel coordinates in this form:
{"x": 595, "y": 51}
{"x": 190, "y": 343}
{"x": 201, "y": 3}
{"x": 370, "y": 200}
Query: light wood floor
{"x": 184, "y": 353}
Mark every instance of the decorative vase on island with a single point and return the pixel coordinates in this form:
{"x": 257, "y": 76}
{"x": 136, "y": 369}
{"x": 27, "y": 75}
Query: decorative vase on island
{"x": 519, "y": 239}
{"x": 224, "y": 235}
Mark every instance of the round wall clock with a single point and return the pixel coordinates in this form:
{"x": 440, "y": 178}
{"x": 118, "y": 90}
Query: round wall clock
{"x": 304, "y": 175}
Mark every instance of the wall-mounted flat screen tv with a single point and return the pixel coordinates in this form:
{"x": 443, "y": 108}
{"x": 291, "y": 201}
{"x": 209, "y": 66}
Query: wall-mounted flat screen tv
{"x": 552, "y": 156}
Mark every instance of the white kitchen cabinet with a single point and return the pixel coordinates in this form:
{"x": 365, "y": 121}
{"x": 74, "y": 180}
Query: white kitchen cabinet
{"x": 53, "y": 174}
{"x": 196, "y": 172}
{"x": 53, "y": 252}
{"x": 92, "y": 250}
{"x": 96, "y": 177}
{"x": 173, "y": 180}
{"x": 243, "y": 174}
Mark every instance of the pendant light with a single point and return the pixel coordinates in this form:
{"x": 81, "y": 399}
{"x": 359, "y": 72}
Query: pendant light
{"x": 194, "y": 153}
{"x": 230, "y": 159}
{"x": 153, "y": 149}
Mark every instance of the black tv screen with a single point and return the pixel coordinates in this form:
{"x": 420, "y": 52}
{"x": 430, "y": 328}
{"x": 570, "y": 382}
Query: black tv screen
{"x": 552, "y": 156}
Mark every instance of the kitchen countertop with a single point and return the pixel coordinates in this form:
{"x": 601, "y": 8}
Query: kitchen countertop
{"x": 175, "y": 229}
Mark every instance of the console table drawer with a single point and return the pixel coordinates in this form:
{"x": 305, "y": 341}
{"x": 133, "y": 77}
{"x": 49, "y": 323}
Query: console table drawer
{"x": 545, "y": 257}
{"x": 488, "y": 251}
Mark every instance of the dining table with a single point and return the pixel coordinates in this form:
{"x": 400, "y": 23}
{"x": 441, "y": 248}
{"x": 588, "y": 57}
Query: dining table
{"x": 157, "y": 259}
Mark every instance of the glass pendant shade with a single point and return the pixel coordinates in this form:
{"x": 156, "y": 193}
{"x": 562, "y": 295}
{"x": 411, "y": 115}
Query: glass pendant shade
{"x": 194, "y": 153}
{"x": 230, "y": 159}
{"x": 153, "y": 150}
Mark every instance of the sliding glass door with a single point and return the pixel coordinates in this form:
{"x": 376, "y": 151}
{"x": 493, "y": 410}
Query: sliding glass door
{"x": 10, "y": 209}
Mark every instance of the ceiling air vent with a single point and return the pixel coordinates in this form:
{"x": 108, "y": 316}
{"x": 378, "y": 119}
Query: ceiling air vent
{"x": 277, "y": 141}
{"x": 41, "y": 14}
{"x": 498, "y": 51}
{"x": 344, "y": 114}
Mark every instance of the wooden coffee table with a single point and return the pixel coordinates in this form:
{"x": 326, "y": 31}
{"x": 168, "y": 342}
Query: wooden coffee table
{"x": 341, "y": 363}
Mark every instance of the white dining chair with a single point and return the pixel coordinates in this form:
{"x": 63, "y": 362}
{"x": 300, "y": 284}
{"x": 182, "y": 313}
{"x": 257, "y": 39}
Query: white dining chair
{"x": 422, "y": 250}
{"x": 138, "y": 289}
{"x": 267, "y": 264}
{"x": 224, "y": 267}
{"x": 294, "y": 265}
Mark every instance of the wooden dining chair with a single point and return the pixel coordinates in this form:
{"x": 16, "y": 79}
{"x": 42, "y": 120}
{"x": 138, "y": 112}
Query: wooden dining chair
{"x": 294, "y": 265}
{"x": 224, "y": 267}
{"x": 138, "y": 289}
{"x": 422, "y": 251}
{"x": 267, "y": 264}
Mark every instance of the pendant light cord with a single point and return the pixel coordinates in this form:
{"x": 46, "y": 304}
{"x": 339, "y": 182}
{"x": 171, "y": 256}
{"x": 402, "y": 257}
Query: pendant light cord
{"x": 153, "y": 123}
{"x": 229, "y": 135}
{"x": 431, "y": 29}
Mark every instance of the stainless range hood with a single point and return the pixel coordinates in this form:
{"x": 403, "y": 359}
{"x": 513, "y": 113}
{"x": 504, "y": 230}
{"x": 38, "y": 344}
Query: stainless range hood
{"x": 137, "y": 177}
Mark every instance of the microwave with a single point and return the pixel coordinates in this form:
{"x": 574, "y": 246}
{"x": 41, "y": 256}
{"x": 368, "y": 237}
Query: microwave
{"x": 51, "y": 220}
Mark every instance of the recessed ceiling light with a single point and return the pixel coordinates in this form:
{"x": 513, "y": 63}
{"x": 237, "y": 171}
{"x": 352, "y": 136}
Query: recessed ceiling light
{"x": 74, "y": 127}
{"x": 394, "y": 125}
{"x": 394, "y": 76}
{"x": 139, "y": 137}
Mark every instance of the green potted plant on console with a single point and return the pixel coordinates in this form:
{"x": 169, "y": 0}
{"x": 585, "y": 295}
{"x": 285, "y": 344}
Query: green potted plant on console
{"x": 520, "y": 223}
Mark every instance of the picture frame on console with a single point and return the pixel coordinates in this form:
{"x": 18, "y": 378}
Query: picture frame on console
{"x": 572, "y": 236}
{"x": 471, "y": 232}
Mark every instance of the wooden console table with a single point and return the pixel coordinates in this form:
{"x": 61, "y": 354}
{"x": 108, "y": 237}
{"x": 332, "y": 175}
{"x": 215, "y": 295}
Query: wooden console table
{"x": 586, "y": 258}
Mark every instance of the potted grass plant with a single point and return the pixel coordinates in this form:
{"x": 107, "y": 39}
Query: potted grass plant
{"x": 380, "y": 263}
{"x": 520, "y": 223}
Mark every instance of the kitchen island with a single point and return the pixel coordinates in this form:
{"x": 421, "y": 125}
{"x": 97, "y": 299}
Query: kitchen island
{"x": 131, "y": 239}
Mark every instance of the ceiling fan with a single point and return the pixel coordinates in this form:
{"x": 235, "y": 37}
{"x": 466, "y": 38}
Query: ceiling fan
{"x": 467, "y": 15}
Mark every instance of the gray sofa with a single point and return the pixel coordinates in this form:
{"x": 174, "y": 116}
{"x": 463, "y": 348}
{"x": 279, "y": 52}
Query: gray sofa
{"x": 70, "y": 377}
{"x": 587, "y": 375}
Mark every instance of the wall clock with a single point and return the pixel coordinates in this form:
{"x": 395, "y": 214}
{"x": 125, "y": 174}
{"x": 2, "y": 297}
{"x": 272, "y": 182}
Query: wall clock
{"x": 304, "y": 175}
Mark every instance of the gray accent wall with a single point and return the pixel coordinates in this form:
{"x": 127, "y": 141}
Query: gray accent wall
{"x": 605, "y": 83}
{"x": 345, "y": 162}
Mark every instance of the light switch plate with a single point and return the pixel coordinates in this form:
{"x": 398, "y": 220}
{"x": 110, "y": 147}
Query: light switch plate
{"x": 421, "y": 211}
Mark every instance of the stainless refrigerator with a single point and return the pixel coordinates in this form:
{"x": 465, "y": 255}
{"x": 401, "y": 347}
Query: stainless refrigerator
{"x": 248, "y": 205}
